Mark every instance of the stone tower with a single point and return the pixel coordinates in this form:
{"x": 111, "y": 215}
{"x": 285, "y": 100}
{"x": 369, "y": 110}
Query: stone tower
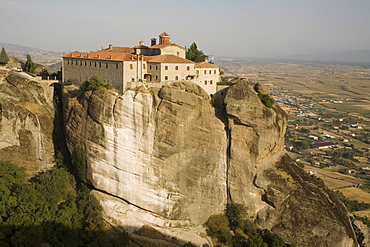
{"x": 164, "y": 38}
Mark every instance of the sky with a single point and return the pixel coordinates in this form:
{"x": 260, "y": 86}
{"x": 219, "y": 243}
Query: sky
{"x": 232, "y": 28}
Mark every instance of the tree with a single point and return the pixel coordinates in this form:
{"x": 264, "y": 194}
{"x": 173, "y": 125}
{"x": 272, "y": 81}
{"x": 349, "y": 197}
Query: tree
{"x": 195, "y": 55}
{"x": 95, "y": 83}
{"x": 29, "y": 66}
{"x": 3, "y": 57}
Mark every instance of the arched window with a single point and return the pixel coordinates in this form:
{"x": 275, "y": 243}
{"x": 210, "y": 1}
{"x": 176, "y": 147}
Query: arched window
{"x": 166, "y": 78}
{"x": 215, "y": 72}
{"x": 176, "y": 67}
{"x": 131, "y": 66}
{"x": 205, "y": 82}
{"x": 205, "y": 72}
{"x": 166, "y": 67}
{"x": 176, "y": 78}
{"x": 210, "y": 72}
{"x": 188, "y": 68}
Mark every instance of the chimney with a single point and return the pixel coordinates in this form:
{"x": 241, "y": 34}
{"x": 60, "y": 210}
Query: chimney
{"x": 110, "y": 47}
{"x": 153, "y": 41}
{"x": 141, "y": 43}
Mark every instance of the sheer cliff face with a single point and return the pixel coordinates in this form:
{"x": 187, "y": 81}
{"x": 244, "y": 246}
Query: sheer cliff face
{"x": 26, "y": 122}
{"x": 170, "y": 158}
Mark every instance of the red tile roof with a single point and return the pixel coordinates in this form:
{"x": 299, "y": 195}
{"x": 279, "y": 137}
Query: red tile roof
{"x": 120, "y": 49}
{"x": 164, "y": 45}
{"x": 168, "y": 59}
{"x": 206, "y": 65}
{"x": 164, "y": 34}
{"x": 106, "y": 55}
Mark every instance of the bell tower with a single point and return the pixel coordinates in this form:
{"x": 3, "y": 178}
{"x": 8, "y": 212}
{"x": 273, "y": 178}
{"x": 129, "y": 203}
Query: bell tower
{"x": 164, "y": 38}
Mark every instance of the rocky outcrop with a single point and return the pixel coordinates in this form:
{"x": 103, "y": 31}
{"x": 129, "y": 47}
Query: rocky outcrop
{"x": 166, "y": 159}
{"x": 26, "y": 122}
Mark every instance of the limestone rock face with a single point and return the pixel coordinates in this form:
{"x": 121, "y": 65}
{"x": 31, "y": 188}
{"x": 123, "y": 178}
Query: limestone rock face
{"x": 164, "y": 151}
{"x": 169, "y": 158}
{"x": 26, "y": 122}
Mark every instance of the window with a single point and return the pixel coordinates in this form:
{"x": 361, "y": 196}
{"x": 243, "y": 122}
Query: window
{"x": 150, "y": 66}
{"x": 205, "y": 72}
{"x": 188, "y": 68}
{"x": 80, "y": 63}
{"x": 156, "y": 78}
{"x": 176, "y": 78}
{"x": 166, "y": 78}
{"x": 131, "y": 66}
{"x": 67, "y": 61}
{"x": 215, "y": 72}
{"x": 210, "y": 82}
{"x": 95, "y": 64}
{"x": 156, "y": 67}
{"x": 176, "y": 67}
{"x": 106, "y": 65}
{"x": 99, "y": 64}
{"x": 210, "y": 71}
{"x": 197, "y": 72}
{"x": 132, "y": 79}
{"x": 85, "y": 63}
{"x": 166, "y": 67}
{"x": 116, "y": 65}
{"x": 205, "y": 82}
{"x": 143, "y": 66}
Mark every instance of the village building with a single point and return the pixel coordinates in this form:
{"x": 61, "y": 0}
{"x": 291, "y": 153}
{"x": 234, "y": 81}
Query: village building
{"x": 324, "y": 145}
{"x": 129, "y": 67}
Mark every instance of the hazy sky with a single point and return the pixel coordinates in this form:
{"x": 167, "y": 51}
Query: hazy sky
{"x": 234, "y": 28}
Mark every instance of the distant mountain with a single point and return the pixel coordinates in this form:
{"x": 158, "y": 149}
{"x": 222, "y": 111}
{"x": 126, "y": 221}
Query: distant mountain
{"x": 354, "y": 57}
{"x": 38, "y": 55}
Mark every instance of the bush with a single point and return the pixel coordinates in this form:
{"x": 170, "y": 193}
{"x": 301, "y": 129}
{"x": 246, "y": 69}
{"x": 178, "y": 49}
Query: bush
{"x": 95, "y": 83}
{"x": 68, "y": 82}
{"x": 218, "y": 227}
{"x": 266, "y": 99}
{"x": 236, "y": 213}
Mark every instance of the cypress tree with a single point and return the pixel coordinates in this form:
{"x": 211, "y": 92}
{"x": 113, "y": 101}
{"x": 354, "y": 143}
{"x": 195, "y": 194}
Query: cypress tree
{"x": 29, "y": 66}
{"x": 195, "y": 55}
{"x": 3, "y": 57}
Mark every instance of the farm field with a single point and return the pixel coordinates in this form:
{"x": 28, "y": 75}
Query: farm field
{"x": 357, "y": 194}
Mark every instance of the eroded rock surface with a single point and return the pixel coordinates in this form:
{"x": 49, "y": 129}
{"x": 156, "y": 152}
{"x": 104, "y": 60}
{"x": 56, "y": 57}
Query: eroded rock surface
{"x": 169, "y": 158}
{"x": 26, "y": 122}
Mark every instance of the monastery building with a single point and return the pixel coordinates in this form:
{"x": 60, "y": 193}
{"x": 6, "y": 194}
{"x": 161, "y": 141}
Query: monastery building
{"x": 126, "y": 67}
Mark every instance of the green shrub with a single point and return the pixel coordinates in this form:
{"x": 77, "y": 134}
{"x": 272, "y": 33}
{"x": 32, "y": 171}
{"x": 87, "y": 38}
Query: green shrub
{"x": 95, "y": 83}
{"x": 218, "y": 227}
{"x": 68, "y": 82}
{"x": 266, "y": 99}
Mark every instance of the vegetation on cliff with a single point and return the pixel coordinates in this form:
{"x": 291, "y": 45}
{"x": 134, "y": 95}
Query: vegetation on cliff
{"x": 234, "y": 229}
{"x": 94, "y": 83}
{"x": 29, "y": 66}
{"x": 48, "y": 209}
{"x": 4, "y": 59}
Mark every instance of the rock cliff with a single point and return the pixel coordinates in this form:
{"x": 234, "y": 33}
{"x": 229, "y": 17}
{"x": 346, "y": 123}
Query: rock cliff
{"x": 166, "y": 159}
{"x": 26, "y": 121}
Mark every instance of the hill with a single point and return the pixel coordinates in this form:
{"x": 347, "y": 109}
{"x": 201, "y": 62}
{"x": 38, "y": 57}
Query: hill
{"x": 38, "y": 55}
